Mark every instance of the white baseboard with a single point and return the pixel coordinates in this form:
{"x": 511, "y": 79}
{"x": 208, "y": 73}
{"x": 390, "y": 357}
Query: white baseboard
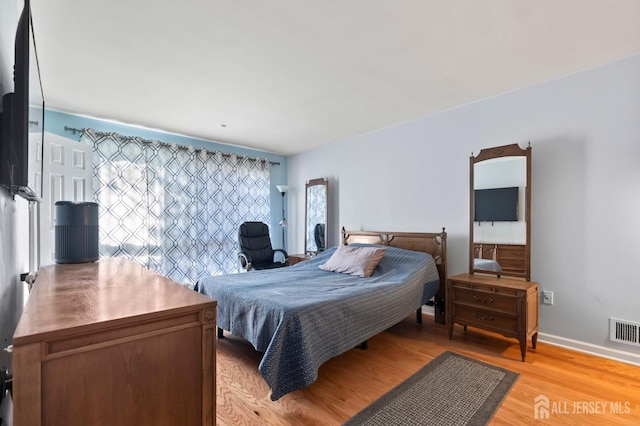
{"x": 576, "y": 345}
{"x": 589, "y": 348}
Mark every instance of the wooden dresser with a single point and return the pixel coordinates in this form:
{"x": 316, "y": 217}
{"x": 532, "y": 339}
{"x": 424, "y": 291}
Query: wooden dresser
{"x": 507, "y": 306}
{"x": 510, "y": 257}
{"x": 112, "y": 343}
{"x": 297, "y": 258}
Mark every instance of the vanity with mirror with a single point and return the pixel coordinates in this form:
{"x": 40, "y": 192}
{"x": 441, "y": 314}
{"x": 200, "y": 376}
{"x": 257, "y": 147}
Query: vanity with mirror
{"x": 497, "y": 294}
{"x": 499, "y": 215}
{"x": 315, "y": 219}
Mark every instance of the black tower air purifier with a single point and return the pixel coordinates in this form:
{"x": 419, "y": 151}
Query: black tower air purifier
{"x": 76, "y": 232}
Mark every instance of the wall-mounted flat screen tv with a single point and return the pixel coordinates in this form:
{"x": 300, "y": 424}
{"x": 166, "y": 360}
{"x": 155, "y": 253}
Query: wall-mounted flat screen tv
{"x": 496, "y": 205}
{"x": 23, "y": 118}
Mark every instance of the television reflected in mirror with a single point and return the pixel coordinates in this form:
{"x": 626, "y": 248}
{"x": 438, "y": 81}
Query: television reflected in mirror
{"x": 23, "y": 118}
{"x": 500, "y": 216}
{"x": 496, "y": 205}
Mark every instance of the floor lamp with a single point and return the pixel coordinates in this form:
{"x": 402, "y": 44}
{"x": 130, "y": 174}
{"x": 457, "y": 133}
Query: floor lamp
{"x": 283, "y": 222}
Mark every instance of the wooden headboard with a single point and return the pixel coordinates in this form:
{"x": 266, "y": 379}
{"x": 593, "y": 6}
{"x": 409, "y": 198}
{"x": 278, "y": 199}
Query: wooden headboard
{"x": 434, "y": 243}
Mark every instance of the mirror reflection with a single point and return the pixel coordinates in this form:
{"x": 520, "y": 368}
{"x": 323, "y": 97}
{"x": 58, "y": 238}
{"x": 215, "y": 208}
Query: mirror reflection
{"x": 316, "y": 215}
{"x": 499, "y": 211}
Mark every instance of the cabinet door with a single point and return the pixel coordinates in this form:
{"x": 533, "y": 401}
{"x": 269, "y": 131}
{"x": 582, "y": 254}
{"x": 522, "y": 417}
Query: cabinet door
{"x": 155, "y": 380}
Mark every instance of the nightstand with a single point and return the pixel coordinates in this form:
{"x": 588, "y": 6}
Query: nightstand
{"x": 506, "y": 306}
{"x": 296, "y": 258}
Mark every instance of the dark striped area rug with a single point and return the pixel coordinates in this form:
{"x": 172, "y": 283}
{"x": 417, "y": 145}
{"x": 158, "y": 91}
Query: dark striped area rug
{"x": 450, "y": 390}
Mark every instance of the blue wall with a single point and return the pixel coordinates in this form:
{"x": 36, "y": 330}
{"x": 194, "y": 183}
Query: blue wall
{"x": 584, "y": 130}
{"x": 55, "y": 122}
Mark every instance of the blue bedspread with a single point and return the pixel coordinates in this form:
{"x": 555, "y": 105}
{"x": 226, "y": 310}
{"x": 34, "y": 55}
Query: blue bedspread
{"x": 487, "y": 265}
{"x": 301, "y": 316}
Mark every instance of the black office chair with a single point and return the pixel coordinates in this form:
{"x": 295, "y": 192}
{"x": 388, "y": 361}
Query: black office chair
{"x": 256, "y": 251}
{"x": 318, "y": 234}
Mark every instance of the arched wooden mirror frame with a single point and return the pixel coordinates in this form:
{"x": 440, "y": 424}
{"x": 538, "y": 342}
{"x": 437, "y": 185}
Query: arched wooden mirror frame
{"x": 312, "y": 214}
{"x": 512, "y": 150}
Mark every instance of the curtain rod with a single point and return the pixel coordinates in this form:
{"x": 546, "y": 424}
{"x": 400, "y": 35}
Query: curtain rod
{"x": 75, "y": 130}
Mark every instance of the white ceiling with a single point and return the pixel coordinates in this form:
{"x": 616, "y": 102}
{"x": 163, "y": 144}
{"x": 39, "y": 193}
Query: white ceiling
{"x": 288, "y": 76}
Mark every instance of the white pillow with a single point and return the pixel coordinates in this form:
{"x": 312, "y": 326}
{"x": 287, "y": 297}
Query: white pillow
{"x": 358, "y": 261}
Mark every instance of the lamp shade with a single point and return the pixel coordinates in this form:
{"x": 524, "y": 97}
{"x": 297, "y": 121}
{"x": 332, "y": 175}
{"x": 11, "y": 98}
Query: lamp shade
{"x": 282, "y": 188}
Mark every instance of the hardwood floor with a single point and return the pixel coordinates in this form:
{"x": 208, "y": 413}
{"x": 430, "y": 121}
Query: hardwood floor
{"x": 576, "y": 384}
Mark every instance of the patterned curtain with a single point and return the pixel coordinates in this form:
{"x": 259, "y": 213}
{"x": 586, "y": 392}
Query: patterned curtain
{"x": 173, "y": 209}
{"x": 316, "y": 210}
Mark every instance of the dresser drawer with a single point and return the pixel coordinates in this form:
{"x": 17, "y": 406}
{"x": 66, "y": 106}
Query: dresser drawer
{"x": 506, "y": 306}
{"x": 485, "y": 288}
{"x": 511, "y": 251}
{"x": 297, "y": 258}
{"x": 511, "y": 263}
{"x": 486, "y": 319}
{"x": 485, "y": 299}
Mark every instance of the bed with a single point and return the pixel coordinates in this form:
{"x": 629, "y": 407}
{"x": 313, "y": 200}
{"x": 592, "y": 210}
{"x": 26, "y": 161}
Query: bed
{"x": 301, "y": 316}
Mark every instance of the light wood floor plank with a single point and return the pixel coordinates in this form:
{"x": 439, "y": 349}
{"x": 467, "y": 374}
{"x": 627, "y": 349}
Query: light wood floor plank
{"x": 349, "y": 382}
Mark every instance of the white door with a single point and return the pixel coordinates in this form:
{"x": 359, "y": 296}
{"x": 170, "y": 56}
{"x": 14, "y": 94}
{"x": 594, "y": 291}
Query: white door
{"x": 67, "y": 175}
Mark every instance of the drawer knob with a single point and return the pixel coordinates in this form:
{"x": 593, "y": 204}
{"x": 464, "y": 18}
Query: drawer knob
{"x": 479, "y": 299}
{"x": 483, "y": 317}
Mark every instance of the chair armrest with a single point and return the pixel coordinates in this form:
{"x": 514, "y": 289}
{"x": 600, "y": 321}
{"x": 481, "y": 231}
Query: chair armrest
{"x": 245, "y": 261}
{"x": 284, "y": 252}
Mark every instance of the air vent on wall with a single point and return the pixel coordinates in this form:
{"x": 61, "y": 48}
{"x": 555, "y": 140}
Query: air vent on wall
{"x": 624, "y": 331}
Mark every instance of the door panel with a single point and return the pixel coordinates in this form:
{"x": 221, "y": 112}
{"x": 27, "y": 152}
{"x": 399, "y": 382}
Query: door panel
{"x": 67, "y": 177}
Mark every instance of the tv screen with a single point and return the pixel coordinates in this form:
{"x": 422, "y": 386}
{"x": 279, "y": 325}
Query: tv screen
{"x": 496, "y": 205}
{"x": 23, "y": 118}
